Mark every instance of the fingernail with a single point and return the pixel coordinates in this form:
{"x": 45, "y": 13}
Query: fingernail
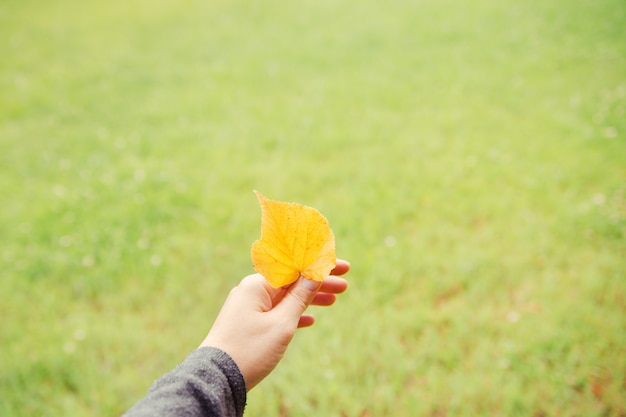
{"x": 309, "y": 284}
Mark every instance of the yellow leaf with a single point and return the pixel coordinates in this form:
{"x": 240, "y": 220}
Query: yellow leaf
{"x": 296, "y": 241}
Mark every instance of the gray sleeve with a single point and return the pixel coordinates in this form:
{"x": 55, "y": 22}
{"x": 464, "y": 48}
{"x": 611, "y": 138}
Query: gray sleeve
{"x": 207, "y": 383}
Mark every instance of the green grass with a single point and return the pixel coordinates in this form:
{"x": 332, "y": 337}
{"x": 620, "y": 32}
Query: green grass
{"x": 471, "y": 160}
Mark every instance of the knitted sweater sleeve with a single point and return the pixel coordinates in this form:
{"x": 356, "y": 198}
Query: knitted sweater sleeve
{"x": 208, "y": 383}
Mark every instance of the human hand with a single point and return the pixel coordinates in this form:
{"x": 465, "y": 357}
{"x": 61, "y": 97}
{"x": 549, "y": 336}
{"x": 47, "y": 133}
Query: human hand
{"x": 257, "y": 322}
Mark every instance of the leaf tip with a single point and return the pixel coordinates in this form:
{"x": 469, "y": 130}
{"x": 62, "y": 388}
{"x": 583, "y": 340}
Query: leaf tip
{"x": 259, "y": 196}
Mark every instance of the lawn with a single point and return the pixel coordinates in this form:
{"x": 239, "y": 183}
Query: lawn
{"x": 471, "y": 160}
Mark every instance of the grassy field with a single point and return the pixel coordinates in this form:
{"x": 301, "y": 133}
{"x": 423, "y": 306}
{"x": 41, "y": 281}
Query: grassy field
{"x": 471, "y": 159}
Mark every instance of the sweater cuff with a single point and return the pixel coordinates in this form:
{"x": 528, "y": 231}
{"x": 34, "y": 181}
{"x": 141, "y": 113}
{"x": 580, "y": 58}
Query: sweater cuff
{"x": 229, "y": 368}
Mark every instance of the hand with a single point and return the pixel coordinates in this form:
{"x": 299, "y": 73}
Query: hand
{"x": 257, "y": 322}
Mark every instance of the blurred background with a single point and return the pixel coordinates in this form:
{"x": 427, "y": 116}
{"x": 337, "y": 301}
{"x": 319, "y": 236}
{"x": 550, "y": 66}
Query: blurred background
{"x": 470, "y": 158}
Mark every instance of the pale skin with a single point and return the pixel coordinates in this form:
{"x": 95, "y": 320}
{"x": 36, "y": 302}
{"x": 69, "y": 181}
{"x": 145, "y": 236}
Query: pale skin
{"x": 257, "y": 322}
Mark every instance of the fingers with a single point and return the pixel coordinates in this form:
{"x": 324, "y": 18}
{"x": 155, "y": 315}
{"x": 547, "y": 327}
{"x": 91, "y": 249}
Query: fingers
{"x": 325, "y": 293}
{"x": 305, "y": 321}
{"x": 334, "y": 285}
{"x": 297, "y": 298}
{"x": 323, "y": 299}
{"x": 341, "y": 267}
{"x": 321, "y": 295}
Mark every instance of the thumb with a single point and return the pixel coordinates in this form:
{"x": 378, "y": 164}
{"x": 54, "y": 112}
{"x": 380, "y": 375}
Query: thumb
{"x": 298, "y": 297}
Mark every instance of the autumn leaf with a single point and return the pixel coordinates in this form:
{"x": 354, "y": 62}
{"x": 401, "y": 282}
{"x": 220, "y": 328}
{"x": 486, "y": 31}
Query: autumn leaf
{"x": 296, "y": 241}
